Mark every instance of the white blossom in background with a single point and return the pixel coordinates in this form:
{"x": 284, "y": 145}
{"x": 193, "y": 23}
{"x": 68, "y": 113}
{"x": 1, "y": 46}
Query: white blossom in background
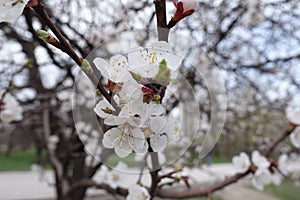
{"x": 10, "y": 109}
{"x": 111, "y": 177}
{"x": 295, "y": 137}
{"x": 293, "y": 114}
{"x": 263, "y": 174}
{"x": 52, "y": 142}
{"x": 64, "y": 97}
{"x": 283, "y": 164}
{"x": 261, "y": 178}
{"x": 241, "y": 163}
{"x": 145, "y": 62}
{"x": 260, "y": 161}
{"x": 137, "y": 192}
{"x": 116, "y": 70}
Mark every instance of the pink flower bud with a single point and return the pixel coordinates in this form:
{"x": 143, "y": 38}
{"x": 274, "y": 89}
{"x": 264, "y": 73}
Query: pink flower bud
{"x": 32, "y": 3}
{"x": 184, "y": 8}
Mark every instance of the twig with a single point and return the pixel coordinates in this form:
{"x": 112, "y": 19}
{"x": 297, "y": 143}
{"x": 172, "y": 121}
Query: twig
{"x": 67, "y": 48}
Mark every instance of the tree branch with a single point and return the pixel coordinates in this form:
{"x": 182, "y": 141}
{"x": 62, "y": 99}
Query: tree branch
{"x": 175, "y": 193}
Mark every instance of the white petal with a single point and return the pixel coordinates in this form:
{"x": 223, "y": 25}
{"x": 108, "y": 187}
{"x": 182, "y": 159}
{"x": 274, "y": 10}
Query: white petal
{"x": 102, "y": 66}
{"x": 157, "y": 110}
{"x": 110, "y": 137}
{"x": 295, "y": 137}
{"x": 173, "y": 129}
{"x": 136, "y": 192}
{"x": 140, "y": 144}
{"x": 10, "y": 12}
{"x": 259, "y": 160}
{"x": 158, "y": 142}
{"x": 114, "y": 120}
{"x": 158, "y": 124}
{"x": 103, "y": 105}
{"x": 137, "y": 58}
{"x": 161, "y": 46}
{"x": 241, "y": 163}
{"x": 118, "y": 69}
{"x": 122, "y": 152}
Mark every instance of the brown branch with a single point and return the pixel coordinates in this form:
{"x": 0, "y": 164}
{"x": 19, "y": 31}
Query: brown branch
{"x": 161, "y": 16}
{"x": 67, "y": 48}
{"x": 103, "y": 186}
{"x": 41, "y": 11}
{"x": 270, "y": 148}
{"x": 176, "y": 193}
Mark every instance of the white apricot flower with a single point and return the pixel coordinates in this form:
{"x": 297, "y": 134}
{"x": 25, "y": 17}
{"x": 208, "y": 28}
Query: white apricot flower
{"x": 104, "y": 109}
{"x": 137, "y": 192}
{"x": 111, "y": 177}
{"x": 241, "y": 163}
{"x": 116, "y": 70}
{"x": 261, "y": 178}
{"x": 121, "y": 139}
{"x": 283, "y": 163}
{"x": 10, "y": 109}
{"x": 293, "y": 114}
{"x": 146, "y": 61}
{"x": 259, "y": 160}
{"x": 295, "y": 137}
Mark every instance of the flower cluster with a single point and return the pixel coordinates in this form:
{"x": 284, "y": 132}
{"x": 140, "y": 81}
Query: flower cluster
{"x": 138, "y": 83}
{"x": 264, "y": 171}
{"x": 10, "y": 109}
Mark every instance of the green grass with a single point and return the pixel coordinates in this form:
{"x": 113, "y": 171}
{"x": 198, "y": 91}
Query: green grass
{"x": 286, "y": 191}
{"x": 219, "y": 159}
{"x": 18, "y": 160}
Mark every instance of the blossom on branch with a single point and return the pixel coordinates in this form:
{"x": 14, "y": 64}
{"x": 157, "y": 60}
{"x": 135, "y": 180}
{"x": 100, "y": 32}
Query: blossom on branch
{"x": 139, "y": 120}
{"x": 241, "y": 163}
{"x": 260, "y": 161}
{"x": 261, "y": 178}
{"x": 10, "y": 109}
{"x": 137, "y": 192}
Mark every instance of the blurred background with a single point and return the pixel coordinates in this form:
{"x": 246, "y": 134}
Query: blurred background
{"x": 255, "y": 45}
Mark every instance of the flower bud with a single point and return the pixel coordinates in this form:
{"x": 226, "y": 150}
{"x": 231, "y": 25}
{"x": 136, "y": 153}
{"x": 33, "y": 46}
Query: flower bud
{"x": 86, "y": 66}
{"x": 47, "y": 37}
{"x": 184, "y": 8}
